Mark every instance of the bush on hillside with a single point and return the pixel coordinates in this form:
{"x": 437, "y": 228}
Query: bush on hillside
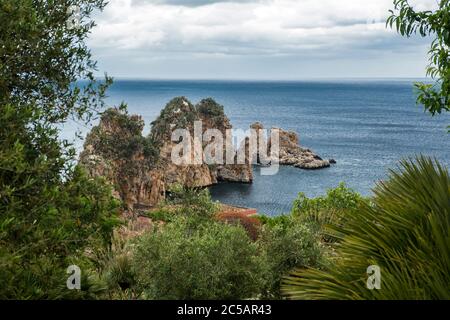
{"x": 288, "y": 244}
{"x": 333, "y": 208}
{"x": 191, "y": 202}
{"x": 210, "y": 261}
{"x": 210, "y": 107}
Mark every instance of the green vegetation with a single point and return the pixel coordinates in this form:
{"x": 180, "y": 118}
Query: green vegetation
{"x": 206, "y": 261}
{"x": 289, "y": 243}
{"x": 188, "y": 255}
{"x": 126, "y": 140}
{"x": 179, "y": 113}
{"x": 51, "y": 213}
{"x": 308, "y": 254}
{"x": 435, "y": 97}
{"x": 114, "y": 265}
{"x": 210, "y": 107}
{"x": 42, "y": 58}
{"x": 334, "y": 208}
{"x": 405, "y": 231}
{"x": 192, "y": 202}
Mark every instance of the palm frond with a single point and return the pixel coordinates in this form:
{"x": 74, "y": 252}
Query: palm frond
{"x": 404, "y": 231}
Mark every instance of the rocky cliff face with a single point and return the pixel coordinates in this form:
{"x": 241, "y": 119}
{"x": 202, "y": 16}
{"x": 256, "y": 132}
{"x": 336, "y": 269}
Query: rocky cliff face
{"x": 116, "y": 150}
{"x": 213, "y": 117}
{"x": 181, "y": 114}
{"x": 141, "y": 169}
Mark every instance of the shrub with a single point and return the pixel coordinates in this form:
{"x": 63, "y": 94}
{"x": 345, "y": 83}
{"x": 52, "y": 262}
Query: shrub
{"x": 114, "y": 265}
{"x": 50, "y": 212}
{"x": 330, "y": 209}
{"x": 405, "y": 232}
{"x": 179, "y": 113}
{"x": 191, "y": 202}
{"x": 126, "y": 140}
{"x": 161, "y": 214}
{"x": 288, "y": 244}
{"x": 210, "y": 107}
{"x": 281, "y": 220}
{"x": 46, "y": 63}
{"x": 210, "y": 261}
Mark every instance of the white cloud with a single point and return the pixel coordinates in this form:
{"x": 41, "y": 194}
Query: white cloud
{"x": 197, "y": 28}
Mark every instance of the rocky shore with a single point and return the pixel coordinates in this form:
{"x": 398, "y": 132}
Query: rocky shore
{"x": 140, "y": 168}
{"x": 291, "y": 153}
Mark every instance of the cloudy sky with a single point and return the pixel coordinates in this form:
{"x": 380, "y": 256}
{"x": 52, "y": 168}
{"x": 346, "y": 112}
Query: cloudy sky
{"x": 254, "y": 39}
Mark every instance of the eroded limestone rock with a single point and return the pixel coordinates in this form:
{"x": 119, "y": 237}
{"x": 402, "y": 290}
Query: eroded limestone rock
{"x": 292, "y": 154}
{"x": 141, "y": 169}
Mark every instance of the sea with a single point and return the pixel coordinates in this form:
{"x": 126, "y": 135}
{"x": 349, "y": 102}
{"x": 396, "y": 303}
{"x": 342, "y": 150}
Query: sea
{"x": 366, "y": 125}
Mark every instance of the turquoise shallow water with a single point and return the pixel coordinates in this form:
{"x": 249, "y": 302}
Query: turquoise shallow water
{"x": 366, "y": 125}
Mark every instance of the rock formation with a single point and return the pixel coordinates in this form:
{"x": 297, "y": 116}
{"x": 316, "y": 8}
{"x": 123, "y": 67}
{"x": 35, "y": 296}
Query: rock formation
{"x": 260, "y": 155}
{"x": 290, "y": 151}
{"x": 213, "y": 117}
{"x": 141, "y": 169}
{"x": 292, "y": 154}
{"x": 181, "y": 114}
{"x": 116, "y": 150}
{"x": 178, "y": 114}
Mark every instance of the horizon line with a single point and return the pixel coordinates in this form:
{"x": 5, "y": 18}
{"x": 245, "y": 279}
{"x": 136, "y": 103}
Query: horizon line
{"x": 267, "y": 79}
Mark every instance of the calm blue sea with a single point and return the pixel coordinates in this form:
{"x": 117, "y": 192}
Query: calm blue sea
{"x": 366, "y": 125}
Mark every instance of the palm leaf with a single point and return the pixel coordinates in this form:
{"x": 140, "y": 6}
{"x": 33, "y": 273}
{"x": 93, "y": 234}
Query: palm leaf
{"x": 405, "y": 231}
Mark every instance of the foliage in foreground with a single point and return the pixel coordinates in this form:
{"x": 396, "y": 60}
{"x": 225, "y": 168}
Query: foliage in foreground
{"x": 288, "y": 243}
{"x": 45, "y": 62}
{"x": 332, "y": 208}
{"x": 114, "y": 266}
{"x": 405, "y": 232}
{"x": 435, "y": 97}
{"x": 211, "y": 261}
{"x": 50, "y": 213}
{"x": 211, "y": 256}
{"x": 192, "y": 255}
